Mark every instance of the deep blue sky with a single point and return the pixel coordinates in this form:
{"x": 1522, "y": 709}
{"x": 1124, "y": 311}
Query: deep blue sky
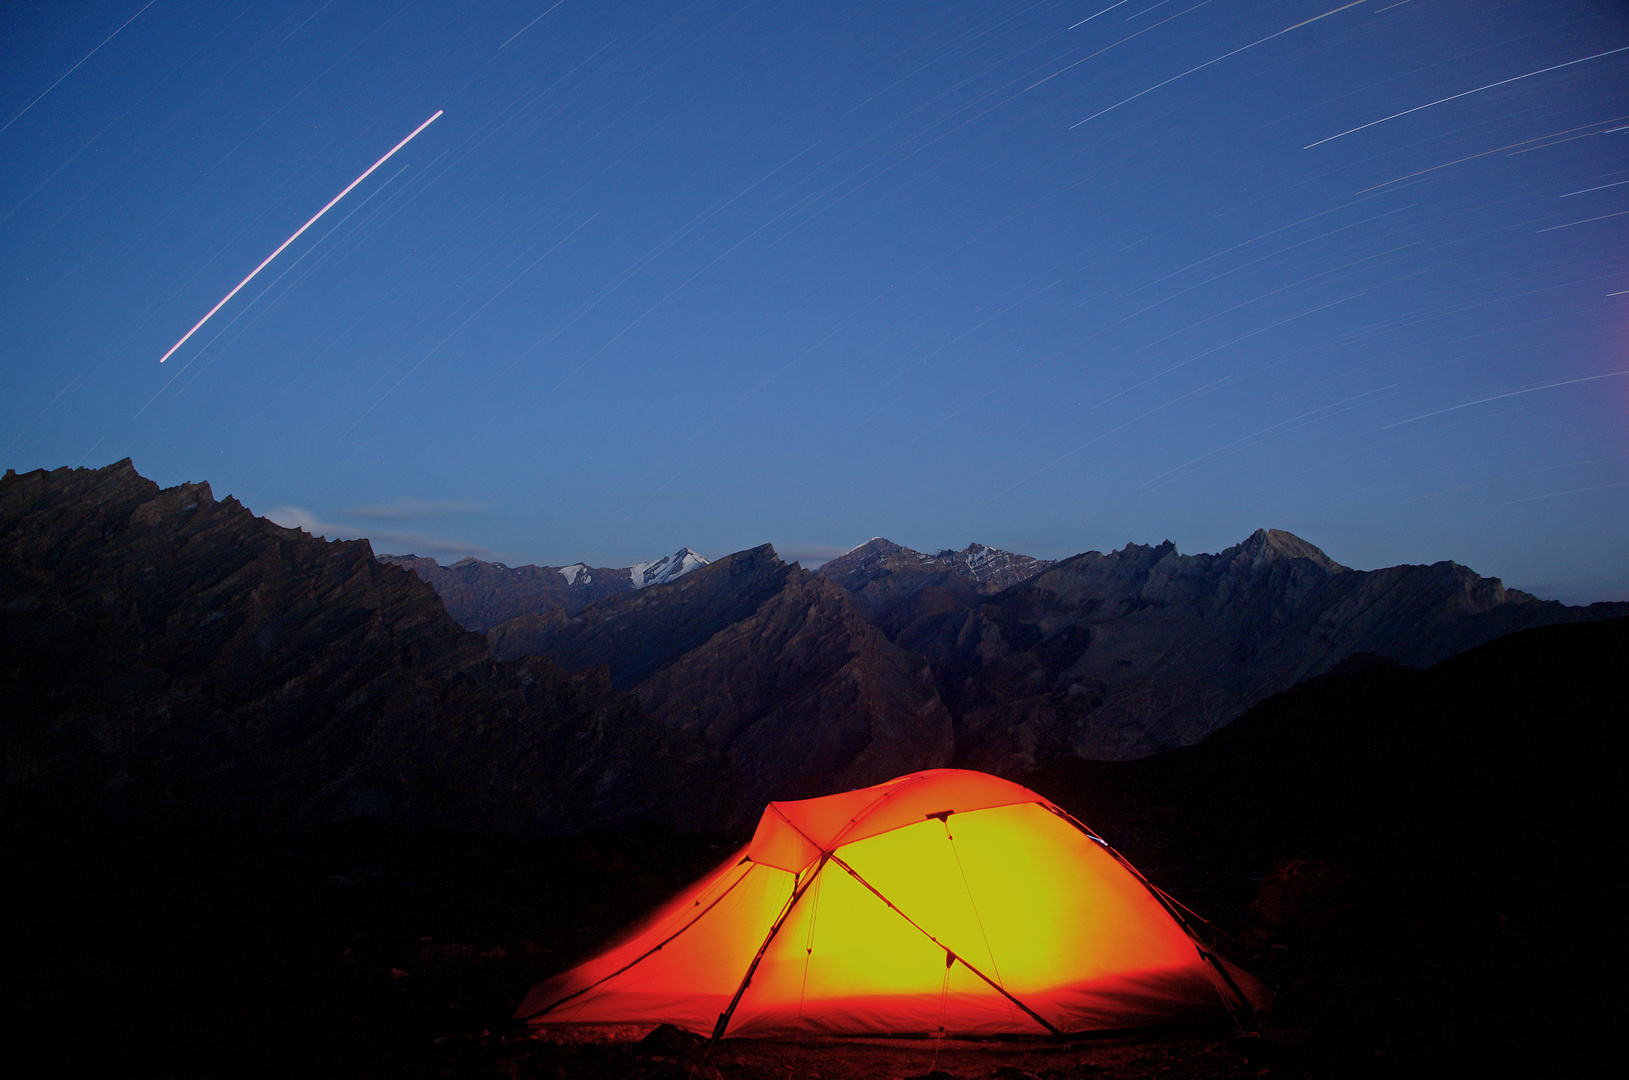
{"x": 724, "y": 273}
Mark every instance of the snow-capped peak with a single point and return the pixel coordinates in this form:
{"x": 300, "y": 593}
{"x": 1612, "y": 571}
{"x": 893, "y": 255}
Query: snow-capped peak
{"x": 577, "y": 573}
{"x": 666, "y": 569}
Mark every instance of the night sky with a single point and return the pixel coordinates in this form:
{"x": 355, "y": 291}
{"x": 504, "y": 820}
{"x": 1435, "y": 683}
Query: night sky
{"x": 1050, "y": 276}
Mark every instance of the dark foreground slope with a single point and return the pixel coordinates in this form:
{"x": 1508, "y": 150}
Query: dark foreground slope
{"x": 1426, "y": 863}
{"x": 175, "y": 659}
{"x": 1435, "y": 859}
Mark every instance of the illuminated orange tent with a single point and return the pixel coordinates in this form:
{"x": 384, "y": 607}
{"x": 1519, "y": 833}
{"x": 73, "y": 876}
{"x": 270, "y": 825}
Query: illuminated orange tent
{"x": 943, "y": 901}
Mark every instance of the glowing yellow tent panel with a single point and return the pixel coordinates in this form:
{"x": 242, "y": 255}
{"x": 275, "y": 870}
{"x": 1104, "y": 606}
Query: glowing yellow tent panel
{"x": 945, "y": 900}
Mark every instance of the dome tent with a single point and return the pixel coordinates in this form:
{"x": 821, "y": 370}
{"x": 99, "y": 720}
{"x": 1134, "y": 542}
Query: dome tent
{"x": 943, "y": 901}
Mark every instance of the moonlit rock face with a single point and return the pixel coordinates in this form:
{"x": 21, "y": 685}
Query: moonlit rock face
{"x": 666, "y": 569}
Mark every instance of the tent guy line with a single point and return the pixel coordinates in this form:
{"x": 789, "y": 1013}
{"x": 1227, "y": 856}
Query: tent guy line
{"x": 264, "y": 262}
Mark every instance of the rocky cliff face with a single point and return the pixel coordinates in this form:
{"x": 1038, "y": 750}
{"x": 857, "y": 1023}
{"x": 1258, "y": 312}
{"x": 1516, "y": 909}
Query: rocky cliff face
{"x": 635, "y": 633}
{"x": 776, "y": 667}
{"x": 480, "y": 595}
{"x": 177, "y": 659}
{"x": 880, "y": 573}
{"x": 1117, "y": 656}
{"x": 806, "y": 698}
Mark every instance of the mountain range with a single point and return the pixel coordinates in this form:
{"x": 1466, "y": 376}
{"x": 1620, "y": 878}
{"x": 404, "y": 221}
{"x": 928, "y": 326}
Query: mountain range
{"x": 1120, "y": 655}
{"x": 480, "y": 595}
{"x": 776, "y": 666}
{"x": 1103, "y": 656}
{"x": 173, "y": 657}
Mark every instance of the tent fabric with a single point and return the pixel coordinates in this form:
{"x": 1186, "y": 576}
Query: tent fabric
{"x": 943, "y": 901}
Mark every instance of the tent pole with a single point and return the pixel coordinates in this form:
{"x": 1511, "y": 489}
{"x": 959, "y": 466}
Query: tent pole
{"x": 997, "y": 987}
{"x": 752, "y": 968}
{"x": 648, "y": 952}
{"x": 1170, "y": 905}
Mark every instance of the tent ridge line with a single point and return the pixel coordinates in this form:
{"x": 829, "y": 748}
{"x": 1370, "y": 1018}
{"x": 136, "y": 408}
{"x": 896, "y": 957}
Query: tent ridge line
{"x": 997, "y": 987}
{"x": 793, "y": 826}
{"x": 649, "y": 952}
{"x": 841, "y": 842}
{"x": 871, "y": 806}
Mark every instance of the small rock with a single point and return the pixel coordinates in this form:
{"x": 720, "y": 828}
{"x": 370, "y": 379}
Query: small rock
{"x": 670, "y": 1041}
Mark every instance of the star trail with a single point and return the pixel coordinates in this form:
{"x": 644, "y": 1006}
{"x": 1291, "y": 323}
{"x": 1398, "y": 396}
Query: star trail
{"x": 1049, "y": 276}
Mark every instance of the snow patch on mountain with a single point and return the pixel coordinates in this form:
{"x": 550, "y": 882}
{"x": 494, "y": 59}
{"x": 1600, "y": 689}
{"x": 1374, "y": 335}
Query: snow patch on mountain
{"x": 666, "y": 569}
{"x": 574, "y": 571}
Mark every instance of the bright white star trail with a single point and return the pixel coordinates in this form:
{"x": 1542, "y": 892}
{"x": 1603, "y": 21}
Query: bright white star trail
{"x": 264, "y": 262}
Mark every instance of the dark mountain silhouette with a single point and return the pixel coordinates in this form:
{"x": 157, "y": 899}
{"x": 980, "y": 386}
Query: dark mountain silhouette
{"x": 880, "y": 573}
{"x": 635, "y": 633}
{"x": 175, "y": 658}
{"x": 479, "y": 595}
{"x": 1117, "y": 656}
{"x": 806, "y": 697}
{"x": 777, "y": 667}
{"x": 1100, "y": 656}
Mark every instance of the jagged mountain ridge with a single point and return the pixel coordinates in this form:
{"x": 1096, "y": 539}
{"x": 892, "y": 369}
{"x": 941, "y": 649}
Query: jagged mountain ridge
{"x": 178, "y": 660}
{"x": 479, "y": 595}
{"x": 880, "y": 572}
{"x": 776, "y": 667}
{"x": 635, "y": 633}
{"x": 1118, "y": 656}
{"x": 806, "y": 697}
{"x": 1103, "y": 656}
{"x": 666, "y": 569}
